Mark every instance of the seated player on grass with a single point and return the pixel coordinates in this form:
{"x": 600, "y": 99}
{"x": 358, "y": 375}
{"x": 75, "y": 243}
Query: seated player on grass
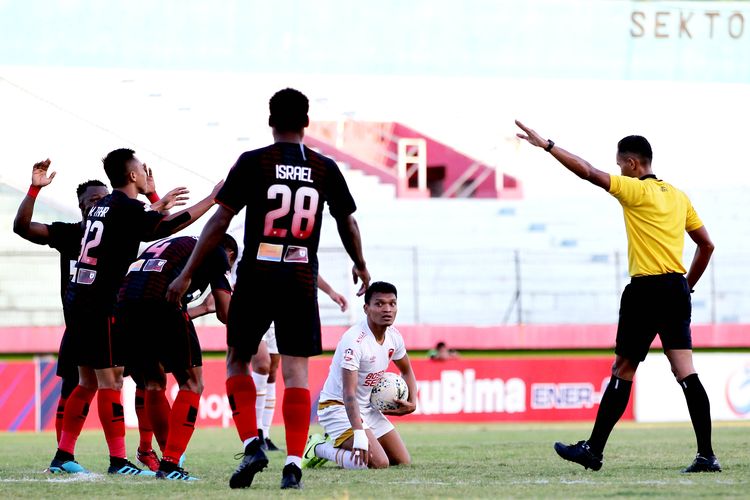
{"x": 358, "y": 435}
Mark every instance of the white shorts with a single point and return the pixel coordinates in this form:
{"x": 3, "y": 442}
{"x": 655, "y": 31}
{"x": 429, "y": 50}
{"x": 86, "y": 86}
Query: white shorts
{"x": 336, "y": 423}
{"x": 270, "y": 338}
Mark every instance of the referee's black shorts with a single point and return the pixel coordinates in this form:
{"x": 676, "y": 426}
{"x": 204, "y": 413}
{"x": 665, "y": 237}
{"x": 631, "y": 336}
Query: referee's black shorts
{"x": 652, "y": 305}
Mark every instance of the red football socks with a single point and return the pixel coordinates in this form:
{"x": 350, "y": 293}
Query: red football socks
{"x": 157, "y": 407}
{"x": 296, "y": 410}
{"x": 144, "y": 423}
{"x": 59, "y": 416}
{"x": 181, "y": 424}
{"x": 74, "y": 416}
{"x": 241, "y": 394}
{"x": 112, "y": 417}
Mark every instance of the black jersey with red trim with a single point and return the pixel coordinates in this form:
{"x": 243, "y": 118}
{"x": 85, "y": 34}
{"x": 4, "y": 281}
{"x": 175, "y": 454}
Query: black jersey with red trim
{"x": 65, "y": 237}
{"x": 115, "y": 226}
{"x": 149, "y": 277}
{"x": 284, "y": 186}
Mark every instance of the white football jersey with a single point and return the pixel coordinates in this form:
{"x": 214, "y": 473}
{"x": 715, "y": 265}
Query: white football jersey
{"x": 359, "y": 351}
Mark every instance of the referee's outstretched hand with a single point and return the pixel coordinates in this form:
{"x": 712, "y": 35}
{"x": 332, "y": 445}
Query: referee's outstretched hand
{"x": 531, "y": 136}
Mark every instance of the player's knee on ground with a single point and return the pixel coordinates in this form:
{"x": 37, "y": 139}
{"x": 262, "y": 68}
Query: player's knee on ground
{"x": 378, "y": 460}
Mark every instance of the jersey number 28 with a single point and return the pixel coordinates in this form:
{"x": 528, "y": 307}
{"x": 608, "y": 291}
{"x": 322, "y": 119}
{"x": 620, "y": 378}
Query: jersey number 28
{"x": 305, "y": 210}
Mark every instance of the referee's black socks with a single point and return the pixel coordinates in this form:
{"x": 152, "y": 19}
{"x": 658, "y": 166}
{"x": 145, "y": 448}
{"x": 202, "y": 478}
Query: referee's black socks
{"x": 700, "y": 412}
{"x": 612, "y": 406}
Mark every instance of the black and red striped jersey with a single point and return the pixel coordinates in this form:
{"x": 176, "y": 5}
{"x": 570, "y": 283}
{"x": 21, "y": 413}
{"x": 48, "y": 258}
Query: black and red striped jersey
{"x": 284, "y": 186}
{"x": 65, "y": 237}
{"x": 115, "y": 226}
{"x": 149, "y": 277}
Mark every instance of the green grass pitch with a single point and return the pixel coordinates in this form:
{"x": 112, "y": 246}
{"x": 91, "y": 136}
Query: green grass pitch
{"x": 449, "y": 461}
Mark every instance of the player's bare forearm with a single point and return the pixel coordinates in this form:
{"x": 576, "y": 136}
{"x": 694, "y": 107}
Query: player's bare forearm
{"x": 351, "y": 239}
{"x": 349, "y": 384}
{"x": 220, "y": 300}
{"x": 703, "y": 252}
{"x": 23, "y": 227}
{"x": 210, "y": 238}
{"x": 575, "y": 164}
{"x": 407, "y": 373}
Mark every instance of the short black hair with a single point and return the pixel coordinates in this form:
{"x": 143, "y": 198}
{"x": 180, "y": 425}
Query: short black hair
{"x": 379, "y": 287}
{"x": 289, "y": 109}
{"x": 440, "y": 345}
{"x": 635, "y": 145}
{"x": 229, "y": 243}
{"x": 82, "y": 187}
{"x": 116, "y": 166}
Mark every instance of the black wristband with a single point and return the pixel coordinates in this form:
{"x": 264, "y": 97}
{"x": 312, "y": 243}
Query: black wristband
{"x": 550, "y": 144}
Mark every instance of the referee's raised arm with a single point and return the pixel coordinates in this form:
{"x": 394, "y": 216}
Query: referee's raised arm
{"x": 575, "y": 164}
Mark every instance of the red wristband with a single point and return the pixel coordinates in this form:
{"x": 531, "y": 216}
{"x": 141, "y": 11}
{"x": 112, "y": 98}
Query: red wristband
{"x": 33, "y": 191}
{"x": 153, "y": 197}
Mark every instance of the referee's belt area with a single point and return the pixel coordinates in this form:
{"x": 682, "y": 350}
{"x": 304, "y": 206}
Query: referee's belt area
{"x": 271, "y": 252}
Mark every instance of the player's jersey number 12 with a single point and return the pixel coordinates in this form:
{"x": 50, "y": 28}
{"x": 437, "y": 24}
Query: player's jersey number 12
{"x": 305, "y": 201}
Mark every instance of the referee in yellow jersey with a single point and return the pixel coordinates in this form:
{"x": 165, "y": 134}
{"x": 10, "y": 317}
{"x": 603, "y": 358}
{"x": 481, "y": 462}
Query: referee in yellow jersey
{"x": 657, "y": 300}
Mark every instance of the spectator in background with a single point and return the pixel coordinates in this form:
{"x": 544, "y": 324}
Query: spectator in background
{"x": 442, "y": 353}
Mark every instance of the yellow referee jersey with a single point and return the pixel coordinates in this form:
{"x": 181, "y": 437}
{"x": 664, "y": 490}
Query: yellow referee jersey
{"x": 657, "y": 215}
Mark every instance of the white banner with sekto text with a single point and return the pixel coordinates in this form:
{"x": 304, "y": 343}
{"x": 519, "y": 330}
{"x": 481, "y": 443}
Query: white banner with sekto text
{"x": 726, "y": 377}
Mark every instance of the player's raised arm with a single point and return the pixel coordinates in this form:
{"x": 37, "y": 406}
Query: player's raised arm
{"x": 410, "y": 405}
{"x": 360, "y": 447}
{"x": 175, "y": 222}
{"x": 352, "y": 241}
{"x": 22, "y": 225}
{"x": 575, "y": 164}
{"x": 210, "y": 238}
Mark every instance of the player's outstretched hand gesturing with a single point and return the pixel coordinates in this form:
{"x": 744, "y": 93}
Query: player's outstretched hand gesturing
{"x": 361, "y": 274}
{"x": 531, "y": 136}
{"x": 39, "y": 177}
{"x": 175, "y": 198}
{"x": 404, "y": 408}
{"x": 177, "y": 289}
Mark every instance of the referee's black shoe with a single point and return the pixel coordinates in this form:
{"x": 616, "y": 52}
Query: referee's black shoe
{"x": 579, "y": 453}
{"x": 703, "y": 464}
{"x": 291, "y": 477}
{"x": 253, "y": 461}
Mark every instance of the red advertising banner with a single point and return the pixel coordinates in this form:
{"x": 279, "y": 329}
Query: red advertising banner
{"x": 520, "y": 389}
{"x": 470, "y": 390}
{"x": 17, "y": 396}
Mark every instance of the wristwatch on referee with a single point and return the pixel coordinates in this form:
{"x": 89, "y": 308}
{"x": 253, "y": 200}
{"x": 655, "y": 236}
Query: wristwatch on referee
{"x": 550, "y": 145}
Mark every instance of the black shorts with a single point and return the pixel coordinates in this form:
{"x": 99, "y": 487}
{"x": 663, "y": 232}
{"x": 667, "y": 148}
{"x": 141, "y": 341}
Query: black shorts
{"x": 157, "y": 333}
{"x": 90, "y": 339}
{"x": 67, "y": 369}
{"x": 652, "y": 305}
{"x": 260, "y": 298}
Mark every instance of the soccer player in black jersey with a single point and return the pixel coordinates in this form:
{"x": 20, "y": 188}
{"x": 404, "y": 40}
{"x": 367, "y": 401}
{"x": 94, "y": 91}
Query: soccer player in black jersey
{"x": 65, "y": 237}
{"x": 145, "y": 317}
{"x": 283, "y": 186}
{"x": 115, "y": 226}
